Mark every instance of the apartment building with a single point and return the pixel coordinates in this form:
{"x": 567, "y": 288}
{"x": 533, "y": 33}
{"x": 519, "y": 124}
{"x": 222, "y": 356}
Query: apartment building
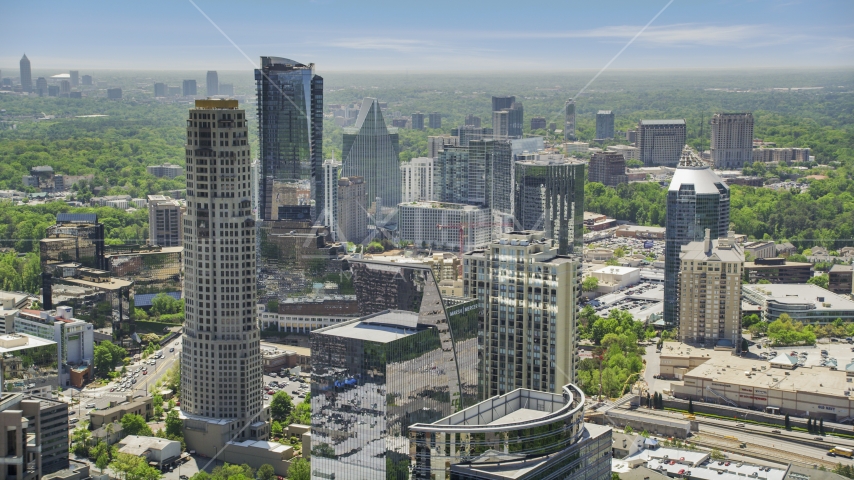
{"x": 164, "y": 221}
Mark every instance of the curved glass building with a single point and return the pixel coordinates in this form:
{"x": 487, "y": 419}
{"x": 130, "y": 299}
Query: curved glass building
{"x": 524, "y": 434}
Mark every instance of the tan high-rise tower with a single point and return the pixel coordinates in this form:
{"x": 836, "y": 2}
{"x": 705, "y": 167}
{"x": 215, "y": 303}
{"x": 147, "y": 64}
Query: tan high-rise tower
{"x": 221, "y": 361}
{"x": 710, "y": 292}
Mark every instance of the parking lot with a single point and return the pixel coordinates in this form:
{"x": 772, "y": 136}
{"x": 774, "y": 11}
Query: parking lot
{"x": 294, "y": 388}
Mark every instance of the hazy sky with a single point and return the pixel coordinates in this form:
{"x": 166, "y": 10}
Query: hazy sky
{"x": 427, "y": 35}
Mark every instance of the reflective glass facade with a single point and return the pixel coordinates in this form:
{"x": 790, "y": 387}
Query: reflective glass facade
{"x": 290, "y": 136}
{"x": 697, "y": 199}
{"x": 370, "y": 150}
{"x": 549, "y": 196}
{"x": 524, "y": 434}
{"x": 411, "y": 358}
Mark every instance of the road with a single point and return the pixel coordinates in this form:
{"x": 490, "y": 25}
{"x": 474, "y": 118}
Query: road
{"x": 102, "y": 396}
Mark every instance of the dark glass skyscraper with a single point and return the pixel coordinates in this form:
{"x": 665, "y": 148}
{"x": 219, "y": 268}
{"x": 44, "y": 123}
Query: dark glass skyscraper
{"x": 549, "y": 196}
{"x": 290, "y": 134}
{"x": 371, "y": 151}
{"x": 26, "y": 75}
{"x": 696, "y": 200}
{"x": 516, "y": 114}
{"x": 411, "y": 357}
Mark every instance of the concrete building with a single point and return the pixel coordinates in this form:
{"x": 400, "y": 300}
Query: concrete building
{"x": 212, "y": 83}
{"x": 167, "y": 170}
{"x": 75, "y": 341}
{"x": 28, "y": 363}
{"x": 306, "y": 314}
{"x": 36, "y": 440}
{"x": 781, "y": 155}
{"x": 75, "y": 77}
{"x": 777, "y": 270}
{"x": 140, "y": 405}
{"x": 417, "y": 179}
{"x": 370, "y": 150}
{"x": 569, "y": 121}
{"x": 409, "y": 344}
{"x": 760, "y": 249}
{"x": 627, "y": 151}
{"x": 538, "y": 123}
{"x": 472, "y": 121}
{"x": 435, "y": 143}
{"x": 445, "y": 226}
{"x": 660, "y": 142}
{"x": 434, "y": 120}
{"x": 114, "y": 93}
{"x": 291, "y": 150}
{"x": 615, "y": 278}
{"x": 709, "y": 292}
{"x": 87, "y": 79}
{"x": 41, "y": 86}
{"x": 806, "y": 303}
{"x": 840, "y": 280}
{"x": 221, "y": 395}
{"x": 165, "y": 221}
{"x": 607, "y": 168}
{"x": 352, "y": 214}
{"x": 549, "y": 195}
{"x": 329, "y": 210}
{"x": 604, "y": 124}
{"x": 417, "y": 122}
{"x": 160, "y": 90}
{"x": 188, "y": 88}
{"x": 501, "y": 125}
{"x": 697, "y": 199}
{"x": 547, "y": 290}
{"x": 639, "y": 231}
{"x": 158, "y": 451}
{"x": 505, "y": 438}
{"x": 732, "y": 140}
{"x": 576, "y": 147}
{"x": 26, "y": 75}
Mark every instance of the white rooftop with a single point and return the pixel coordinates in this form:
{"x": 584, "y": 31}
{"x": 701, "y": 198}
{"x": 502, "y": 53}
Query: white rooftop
{"x": 799, "y": 293}
{"x": 383, "y": 327}
{"x": 616, "y": 270}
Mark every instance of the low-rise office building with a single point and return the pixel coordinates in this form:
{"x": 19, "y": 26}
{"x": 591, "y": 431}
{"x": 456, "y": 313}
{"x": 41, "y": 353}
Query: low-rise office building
{"x": 36, "y": 439}
{"x": 760, "y": 249}
{"x": 156, "y": 450}
{"x": 840, "y": 280}
{"x": 615, "y": 278}
{"x": 75, "y": 341}
{"x": 638, "y": 231}
{"x": 805, "y": 303}
{"x": 28, "y": 363}
{"x": 524, "y": 434}
{"x": 777, "y": 270}
{"x": 305, "y": 314}
{"x": 141, "y": 405}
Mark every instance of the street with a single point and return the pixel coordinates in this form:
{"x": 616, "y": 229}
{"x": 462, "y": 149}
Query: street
{"x": 102, "y": 396}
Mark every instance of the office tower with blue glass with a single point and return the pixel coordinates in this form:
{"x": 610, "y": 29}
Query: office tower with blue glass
{"x": 371, "y": 151}
{"x": 212, "y": 83}
{"x": 26, "y": 75}
{"x": 604, "y": 125}
{"x": 697, "y": 199}
{"x": 411, "y": 357}
{"x": 548, "y": 195}
{"x": 290, "y": 135}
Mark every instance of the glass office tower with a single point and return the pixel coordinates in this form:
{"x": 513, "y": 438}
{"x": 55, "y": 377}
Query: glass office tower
{"x": 697, "y": 199}
{"x": 549, "y": 196}
{"x": 290, "y": 134}
{"x": 371, "y": 150}
{"x": 410, "y": 358}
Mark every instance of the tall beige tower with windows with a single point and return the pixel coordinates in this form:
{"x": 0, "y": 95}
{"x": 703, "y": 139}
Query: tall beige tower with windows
{"x": 221, "y": 360}
{"x": 710, "y": 292}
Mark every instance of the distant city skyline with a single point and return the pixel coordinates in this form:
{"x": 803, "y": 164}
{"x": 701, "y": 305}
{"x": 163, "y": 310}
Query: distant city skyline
{"x": 717, "y": 34}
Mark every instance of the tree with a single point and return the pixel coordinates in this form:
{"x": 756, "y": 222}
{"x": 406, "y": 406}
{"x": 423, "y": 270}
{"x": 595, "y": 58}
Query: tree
{"x": 299, "y": 470}
{"x": 590, "y": 284}
{"x": 628, "y": 429}
{"x": 102, "y": 462}
{"x": 133, "y": 424}
{"x": 281, "y": 405}
{"x": 174, "y": 425}
{"x": 716, "y": 454}
{"x": 615, "y": 476}
{"x": 788, "y": 423}
{"x": 822, "y": 280}
{"x": 745, "y": 345}
{"x": 265, "y": 472}
{"x": 276, "y": 428}
{"x": 809, "y": 425}
{"x": 691, "y": 406}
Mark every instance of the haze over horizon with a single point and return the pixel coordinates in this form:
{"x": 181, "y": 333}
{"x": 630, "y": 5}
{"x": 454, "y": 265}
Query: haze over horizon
{"x": 446, "y": 36}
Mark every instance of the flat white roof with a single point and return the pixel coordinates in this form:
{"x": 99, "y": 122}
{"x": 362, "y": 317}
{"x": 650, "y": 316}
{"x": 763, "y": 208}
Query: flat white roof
{"x": 615, "y": 270}
{"x": 384, "y": 327}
